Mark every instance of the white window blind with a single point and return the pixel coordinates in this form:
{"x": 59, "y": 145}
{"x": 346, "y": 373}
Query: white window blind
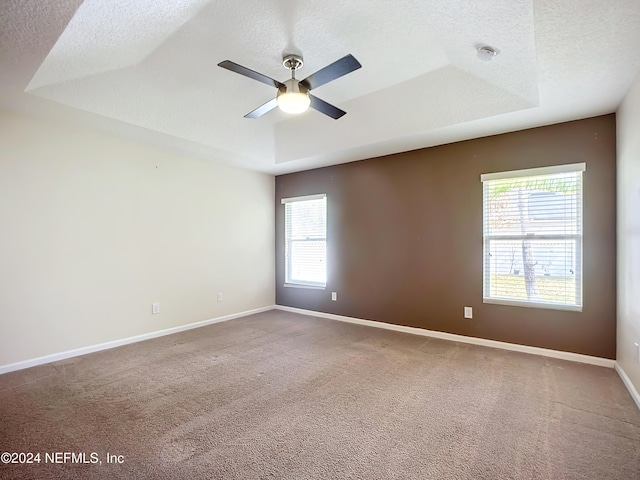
{"x": 306, "y": 240}
{"x": 533, "y": 237}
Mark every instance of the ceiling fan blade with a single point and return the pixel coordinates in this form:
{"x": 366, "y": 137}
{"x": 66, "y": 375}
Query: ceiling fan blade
{"x": 326, "y": 108}
{"x": 247, "y": 72}
{"x": 337, "y": 69}
{"x": 262, "y": 109}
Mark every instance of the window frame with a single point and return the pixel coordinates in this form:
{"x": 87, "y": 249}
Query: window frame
{"x": 288, "y": 242}
{"x": 577, "y": 237}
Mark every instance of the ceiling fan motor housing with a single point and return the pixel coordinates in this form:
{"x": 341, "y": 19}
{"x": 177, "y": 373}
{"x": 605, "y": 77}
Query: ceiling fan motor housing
{"x": 293, "y": 86}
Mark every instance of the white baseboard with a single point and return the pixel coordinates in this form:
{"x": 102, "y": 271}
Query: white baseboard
{"x": 627, "y": 383}
{"x": 574, "y": 357}
{"x": 124, "y": 341}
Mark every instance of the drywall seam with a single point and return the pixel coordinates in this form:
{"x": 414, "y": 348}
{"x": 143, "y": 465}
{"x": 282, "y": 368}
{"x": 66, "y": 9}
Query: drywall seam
{"x": 124, "y": 341}
{"x": 545, "y": 352}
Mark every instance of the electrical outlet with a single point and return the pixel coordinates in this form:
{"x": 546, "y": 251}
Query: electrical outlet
{"x": 637, "y": 345}
{"x": 220, "y": 296}
{"x": 334, "y": 296}
{"x": 468, "y": 312}
{"x": 155, "y": 308}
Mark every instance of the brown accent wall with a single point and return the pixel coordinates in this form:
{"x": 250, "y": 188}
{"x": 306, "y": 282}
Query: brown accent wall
{"x": 405, "y": 237}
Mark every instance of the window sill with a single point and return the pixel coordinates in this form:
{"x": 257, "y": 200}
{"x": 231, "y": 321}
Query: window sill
{"x": 517, "y": 303}
{"x": 301, "y": 285}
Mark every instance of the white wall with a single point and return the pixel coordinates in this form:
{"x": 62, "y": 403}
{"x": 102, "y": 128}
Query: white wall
{"x": 94, "y": 229}
{"x": 628, "y": 128}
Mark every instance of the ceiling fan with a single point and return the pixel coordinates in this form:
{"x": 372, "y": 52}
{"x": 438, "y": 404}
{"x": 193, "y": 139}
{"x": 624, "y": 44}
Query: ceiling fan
{"x": 293, "y": 96}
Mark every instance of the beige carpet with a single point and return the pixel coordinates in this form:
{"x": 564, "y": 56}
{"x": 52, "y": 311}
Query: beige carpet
{"x": 279, "y": 395}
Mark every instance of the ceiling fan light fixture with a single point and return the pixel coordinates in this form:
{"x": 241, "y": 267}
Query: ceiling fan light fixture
{"x": 293, "y": 100}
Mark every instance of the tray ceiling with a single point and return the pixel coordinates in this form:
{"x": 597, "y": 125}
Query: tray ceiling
{"x": 147, "y": 70}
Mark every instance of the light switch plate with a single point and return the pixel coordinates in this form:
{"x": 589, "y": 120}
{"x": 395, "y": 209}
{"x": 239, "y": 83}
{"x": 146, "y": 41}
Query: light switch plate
{"x": 468, "y": 312}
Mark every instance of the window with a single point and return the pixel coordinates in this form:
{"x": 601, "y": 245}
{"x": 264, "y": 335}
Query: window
{"x": 305, "y": 239}
{"x": 533, "y": 237}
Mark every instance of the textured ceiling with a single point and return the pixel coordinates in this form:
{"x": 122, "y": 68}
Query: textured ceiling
{"x": 147, "y": 70}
